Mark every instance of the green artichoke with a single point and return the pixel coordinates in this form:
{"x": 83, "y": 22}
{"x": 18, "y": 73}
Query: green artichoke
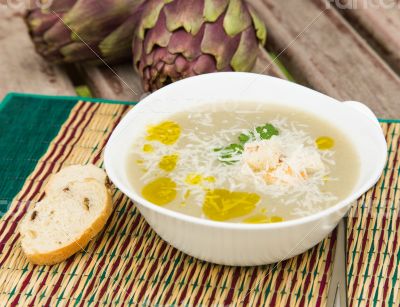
{"x": 104, "y": 27}
{"x": 180, "y": 38}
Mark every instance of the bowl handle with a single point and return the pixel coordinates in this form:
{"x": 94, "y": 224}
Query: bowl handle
{"x": 362, "y": 108}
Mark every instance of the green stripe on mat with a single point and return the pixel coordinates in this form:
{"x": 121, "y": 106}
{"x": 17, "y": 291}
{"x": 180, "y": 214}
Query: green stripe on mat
{"x": 63, "y": 98}
{"x": 28, "y": 124}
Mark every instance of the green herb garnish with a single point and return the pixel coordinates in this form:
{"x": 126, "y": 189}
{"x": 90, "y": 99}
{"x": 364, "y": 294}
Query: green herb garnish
{"x": 230, "y": 154}
{"x": 227, "y": 154}
{"x": 267, "y": 131}
{"x": 244, "y": 138}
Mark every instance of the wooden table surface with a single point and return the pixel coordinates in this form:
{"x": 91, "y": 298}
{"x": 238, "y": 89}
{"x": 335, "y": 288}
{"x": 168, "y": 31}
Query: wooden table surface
{"x": 349, "y": 54}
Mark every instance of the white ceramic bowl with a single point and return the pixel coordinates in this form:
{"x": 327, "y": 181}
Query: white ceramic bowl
{"x": 246, "y": 244}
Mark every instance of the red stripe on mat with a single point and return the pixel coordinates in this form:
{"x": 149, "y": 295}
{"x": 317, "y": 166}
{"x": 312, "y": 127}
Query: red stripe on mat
{"x": 381, "y": 237}
{"x": 351, "y": 236}
{"x": 138, "y": 270}
{"x": 8, "y": 235}
{"x": 236, "y": 274}
{"x": 136, "y": 248}
{"x": 98, "y": 156}
{"x": 214, "y": 292}
{"x": 184, "y": 292}
{"x": 9, "y": 250}
{"x": 328, "y": 263}
{"x": 153, "y": 268}
{"x": 363, "y": 244}
{"x": 307, "y": 282}
{"x": 39, "y": 172}
{"x": 178, "y": 273}
{"x": 163, "y": 273}
{"x": 16, "y": 208}
{"x": 98, "y": 243}
{"x": 202, "y": 284}
{"x": 392, "y": 258}
{"x": 252, "y": 279}
{"x": 69, "y": 262}
{"x": 101, "y": 265}
{"x": 12, "y": 229}
{"x": 87, "y": 265}
{"x": 116, "y": 263}
{"x": 294, "y": 280}
{"x": 279, "y": 279}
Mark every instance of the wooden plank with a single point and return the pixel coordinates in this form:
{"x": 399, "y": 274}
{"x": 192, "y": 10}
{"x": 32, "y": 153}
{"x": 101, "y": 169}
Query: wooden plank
{"x": 122, "y": 82}
{"x": 118, "y": 82}
{"x": 323, "y": 51}
{"x": 379, "y": 24}
{"x": 21, "y": 69}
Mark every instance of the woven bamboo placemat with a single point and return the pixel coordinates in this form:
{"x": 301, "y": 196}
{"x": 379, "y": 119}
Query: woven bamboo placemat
{"x": 128, "y": 264}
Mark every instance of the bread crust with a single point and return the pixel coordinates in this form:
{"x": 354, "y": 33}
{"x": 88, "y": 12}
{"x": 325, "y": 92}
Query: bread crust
{"x": 64, "y": 252}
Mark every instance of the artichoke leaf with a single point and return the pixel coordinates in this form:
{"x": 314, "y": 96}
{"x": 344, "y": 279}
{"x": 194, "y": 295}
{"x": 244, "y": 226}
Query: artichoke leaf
{"x": 217, "y": 43}
{"x": 58, "y": 35}
{"x": 137, "y": 50}
{"x": 93, "y": 19}
{"x": 157, "y": 36}
{"x": 150, "y": 15}
{"x": 244, "y": 59}
{"x": 39, "y": 23}
{"x": 203, "y": 36}
{"x": 77, "y": 51}
{"x": 70, "y": 30}
{"x": 57, "y": 6}
{"x": 187, "y": 14}
{"x": 204, "y": 64}
{"x": 213, "y": 9}
{"x": 118, "y": 41}
{"x": 237, "y": 18}
{"x": 261, "y": 30}
{"x": 184, "y": 43}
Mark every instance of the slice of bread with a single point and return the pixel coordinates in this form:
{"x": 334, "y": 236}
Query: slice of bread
{"x": 58, "y": 181}
{"x": 64, "y": 223}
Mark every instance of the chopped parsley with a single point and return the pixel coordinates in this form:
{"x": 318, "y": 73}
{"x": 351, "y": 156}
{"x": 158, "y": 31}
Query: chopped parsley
{"x": 230, "y": 154}
{"x": 267, "y": 131}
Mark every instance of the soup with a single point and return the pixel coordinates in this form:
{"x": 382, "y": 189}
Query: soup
{"x": 258, "y": 164}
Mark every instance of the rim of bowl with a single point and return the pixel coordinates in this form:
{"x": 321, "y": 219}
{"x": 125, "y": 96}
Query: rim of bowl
{"x": 135, "y": 197}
